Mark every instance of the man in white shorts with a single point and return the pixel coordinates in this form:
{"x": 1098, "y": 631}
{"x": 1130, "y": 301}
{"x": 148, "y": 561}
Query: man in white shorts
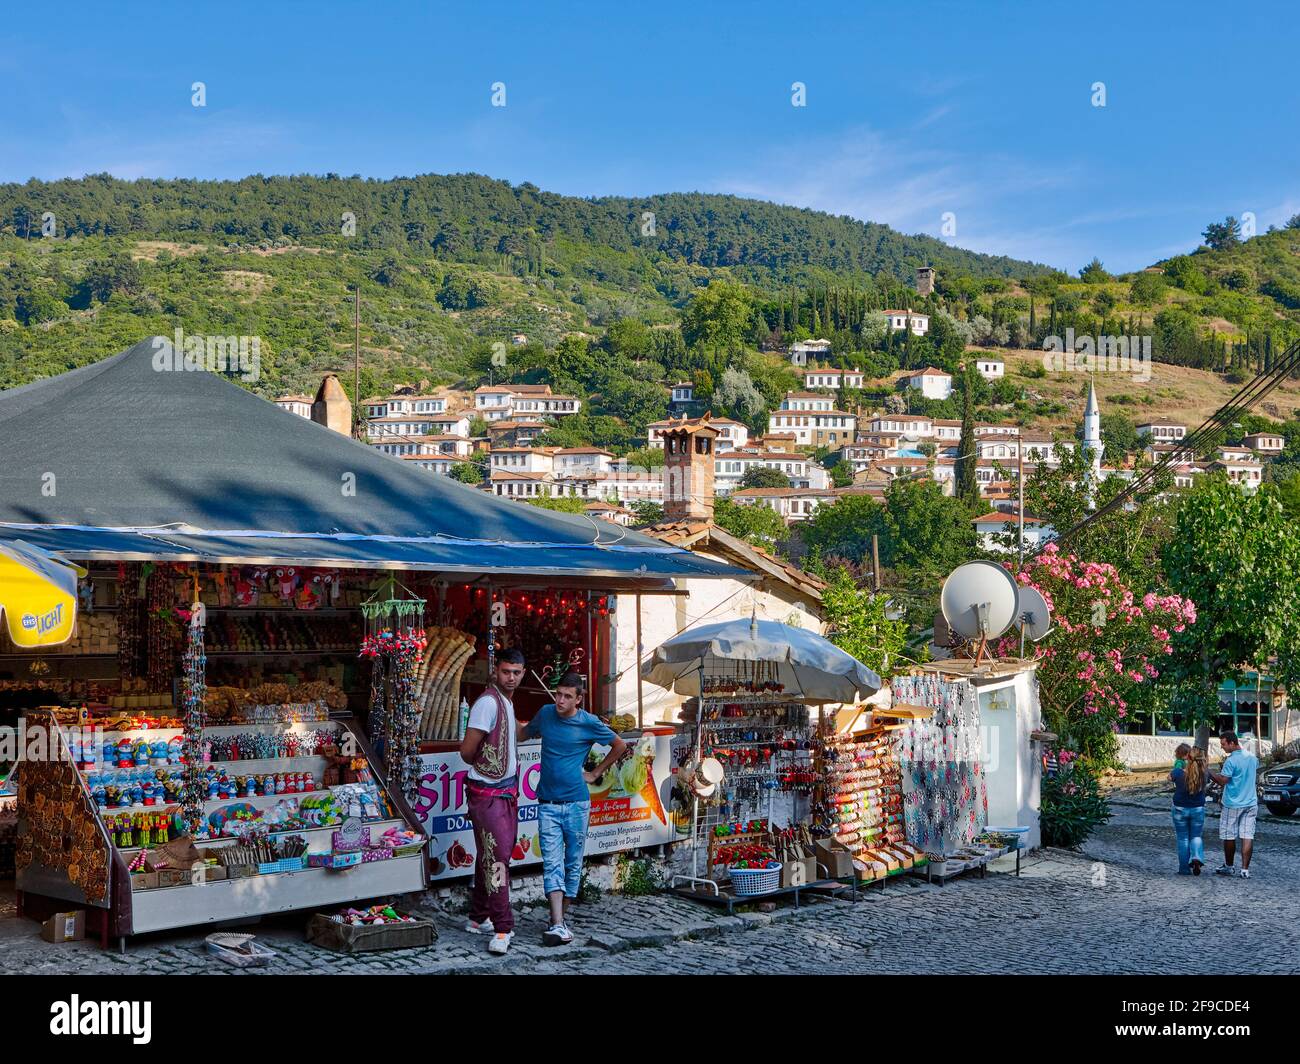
{"x": 1240, "y": 804}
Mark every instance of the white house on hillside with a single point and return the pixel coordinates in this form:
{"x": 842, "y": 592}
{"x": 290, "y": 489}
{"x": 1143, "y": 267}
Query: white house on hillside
{"x": 296, "y": 404}
{"x": 931, "y": 383}
{"x": 903, "y": 319}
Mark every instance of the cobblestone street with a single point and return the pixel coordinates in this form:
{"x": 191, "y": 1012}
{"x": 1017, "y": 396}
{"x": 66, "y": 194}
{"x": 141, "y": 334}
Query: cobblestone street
{"x": 1117, "y": 907}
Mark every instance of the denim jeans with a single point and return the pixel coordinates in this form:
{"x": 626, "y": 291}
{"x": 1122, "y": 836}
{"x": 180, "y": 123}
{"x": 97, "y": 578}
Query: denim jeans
{"x": 1189, "y": 822}
{"x": 562, "y": 829}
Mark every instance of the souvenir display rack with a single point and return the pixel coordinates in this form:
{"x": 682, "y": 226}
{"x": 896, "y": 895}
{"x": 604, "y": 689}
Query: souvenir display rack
{"x": 860, "y": 803}
{"x": 759, "y": 733}
{"x": 109, "y": 864}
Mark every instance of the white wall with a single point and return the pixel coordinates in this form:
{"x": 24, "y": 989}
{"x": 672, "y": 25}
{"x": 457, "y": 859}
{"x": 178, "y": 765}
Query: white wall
{"x": 1157, "y": 751}
{"x": 1013, "y": 764}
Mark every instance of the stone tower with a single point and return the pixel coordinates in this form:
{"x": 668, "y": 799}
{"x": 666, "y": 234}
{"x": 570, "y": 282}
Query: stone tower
{"x": 689, "y": 446}
{"x": 332, "y": 408}
{"x": 924, "y": 280}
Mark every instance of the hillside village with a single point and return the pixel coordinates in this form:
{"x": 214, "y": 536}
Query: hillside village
{"x": 490, "y": 435}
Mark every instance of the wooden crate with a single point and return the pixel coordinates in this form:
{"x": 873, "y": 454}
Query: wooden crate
{"x": 349, "y": 938}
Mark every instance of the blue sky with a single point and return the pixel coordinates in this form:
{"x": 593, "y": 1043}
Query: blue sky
{"x": 913, "y": 110}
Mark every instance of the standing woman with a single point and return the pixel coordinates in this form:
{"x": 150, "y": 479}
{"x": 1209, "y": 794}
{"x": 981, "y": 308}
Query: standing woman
{"x": 1189, "y": 808}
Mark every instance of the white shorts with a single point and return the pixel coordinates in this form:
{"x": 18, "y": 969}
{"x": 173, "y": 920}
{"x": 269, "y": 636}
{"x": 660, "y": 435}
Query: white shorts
{"x": 1238, "y": 822}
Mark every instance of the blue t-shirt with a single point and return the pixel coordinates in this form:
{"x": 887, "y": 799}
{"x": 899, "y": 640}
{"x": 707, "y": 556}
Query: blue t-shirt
{"x": 1240, "y": 790}
{"x": 565, "y": 745}
{"x": 1183, "y": 798}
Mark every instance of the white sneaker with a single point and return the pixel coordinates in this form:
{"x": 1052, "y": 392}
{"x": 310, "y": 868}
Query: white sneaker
{"x": 557, "y": 935}
{"x": 1244, "y": 874}
{"x": 485, "y": 928}
{"x": 500, "y": 942}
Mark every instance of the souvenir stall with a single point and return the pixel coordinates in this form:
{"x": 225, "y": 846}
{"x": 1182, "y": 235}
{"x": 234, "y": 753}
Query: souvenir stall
{"x": 276, "y": 619}
{"x": 967, "y": 762}
{"x": 211, "y": 769}
{"x": 748, "y": 787}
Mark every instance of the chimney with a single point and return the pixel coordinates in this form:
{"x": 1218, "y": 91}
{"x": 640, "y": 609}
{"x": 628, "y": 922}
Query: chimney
{"x": 689, "y": 446}
{"x": 332, "y": 407}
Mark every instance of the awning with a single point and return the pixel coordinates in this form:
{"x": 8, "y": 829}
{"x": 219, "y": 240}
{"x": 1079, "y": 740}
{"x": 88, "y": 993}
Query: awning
{"x": 433, "y": 554}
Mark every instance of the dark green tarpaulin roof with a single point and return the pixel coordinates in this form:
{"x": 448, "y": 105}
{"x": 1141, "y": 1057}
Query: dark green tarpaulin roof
{"x": 122, "y": 459}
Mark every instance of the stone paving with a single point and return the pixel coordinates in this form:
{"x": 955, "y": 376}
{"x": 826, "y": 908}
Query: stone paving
{"x": 1116, "y": 907}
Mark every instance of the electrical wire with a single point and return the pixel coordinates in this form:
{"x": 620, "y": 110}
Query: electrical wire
{"x": 1206, "y": 434}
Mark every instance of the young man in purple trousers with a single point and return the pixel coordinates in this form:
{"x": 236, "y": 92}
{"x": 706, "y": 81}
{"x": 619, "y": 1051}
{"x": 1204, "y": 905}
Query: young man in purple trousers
{"x": 489, "y": 749}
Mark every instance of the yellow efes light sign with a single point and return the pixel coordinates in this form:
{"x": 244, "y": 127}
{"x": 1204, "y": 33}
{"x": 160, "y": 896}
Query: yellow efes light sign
{"x": 38, "y": 595}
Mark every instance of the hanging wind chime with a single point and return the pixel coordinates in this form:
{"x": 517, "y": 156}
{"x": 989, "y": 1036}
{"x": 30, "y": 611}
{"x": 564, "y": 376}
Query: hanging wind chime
{"x": 193, "y": 690}
{"x": 395, "y": 642}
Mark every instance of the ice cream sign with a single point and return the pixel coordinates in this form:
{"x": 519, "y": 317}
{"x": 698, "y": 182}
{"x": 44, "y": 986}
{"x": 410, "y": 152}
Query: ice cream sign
{"x": 627, "y": 805}
{"x": 38, "y": 595}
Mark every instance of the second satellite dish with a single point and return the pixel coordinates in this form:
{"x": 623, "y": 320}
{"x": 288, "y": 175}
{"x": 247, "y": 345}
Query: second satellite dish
{"x": 979, "y": 600}
{"x": 1034, "y": 615}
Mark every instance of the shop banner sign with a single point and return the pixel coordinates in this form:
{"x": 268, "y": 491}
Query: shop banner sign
{"x": 629, "y": 805}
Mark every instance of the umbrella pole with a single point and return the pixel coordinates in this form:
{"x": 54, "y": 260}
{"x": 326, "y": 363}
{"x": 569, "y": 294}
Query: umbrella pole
{"x": 640, "y": 650}
{"x": 699, "y": 735}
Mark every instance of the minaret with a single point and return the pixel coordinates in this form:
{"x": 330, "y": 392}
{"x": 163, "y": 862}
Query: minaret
{"x": 1092, "y": 436}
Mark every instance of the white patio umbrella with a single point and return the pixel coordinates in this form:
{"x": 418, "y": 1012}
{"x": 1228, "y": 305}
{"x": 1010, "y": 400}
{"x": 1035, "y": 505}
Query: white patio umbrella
{"x": 807, "y": 665}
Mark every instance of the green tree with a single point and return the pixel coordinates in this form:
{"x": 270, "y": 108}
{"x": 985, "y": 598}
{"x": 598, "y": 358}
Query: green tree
{"x": 737, "y": 396}
{"x": 568, "y": 504}
{"x": 467, "y": 473}
{"x": 718, "y": 317}
{"x": 755, "y": 523}
{"x": 1223, "y": 235}
{"x": 764, "y": 477}
{"x": 1147, "y": 289}
{"x": 1118, "y": 434}
{"x": 647, "y": 513}
{"x": 1094, "y": 273}
{"x": 858, "y": 622}
{"x": 1237, "y": 557}
{"x": 967, "y": 484}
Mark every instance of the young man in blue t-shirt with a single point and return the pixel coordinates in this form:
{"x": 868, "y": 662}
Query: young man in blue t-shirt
{"x": 567, "y": 732}
{"x": 1240, "y": 804}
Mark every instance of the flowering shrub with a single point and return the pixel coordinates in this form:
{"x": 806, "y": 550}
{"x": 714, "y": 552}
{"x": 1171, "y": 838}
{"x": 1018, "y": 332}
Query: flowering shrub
{"x": 1104, "y": 648}
{"x": 1072, "y": 806}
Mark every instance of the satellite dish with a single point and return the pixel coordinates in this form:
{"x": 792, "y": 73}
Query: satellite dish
{"x": 979, "y": 600}
{"x": 1033, "y": 613}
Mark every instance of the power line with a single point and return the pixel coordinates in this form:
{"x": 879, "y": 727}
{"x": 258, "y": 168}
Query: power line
{"x": 1208, "y": 432}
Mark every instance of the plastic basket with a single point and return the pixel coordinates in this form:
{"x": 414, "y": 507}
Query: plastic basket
{"x": 750, "y": 881}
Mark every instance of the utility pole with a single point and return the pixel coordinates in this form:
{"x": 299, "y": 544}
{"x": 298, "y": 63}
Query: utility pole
{"x": 875, "y": 562}
{"x": 356, "y": 361}
{"x": 1020, "y": 506}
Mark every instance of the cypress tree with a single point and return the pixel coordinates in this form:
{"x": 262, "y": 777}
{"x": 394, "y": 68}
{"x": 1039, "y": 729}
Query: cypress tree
{"x": 967, "y": 486}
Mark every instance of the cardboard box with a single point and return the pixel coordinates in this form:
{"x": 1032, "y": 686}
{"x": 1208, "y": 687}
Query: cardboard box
{"x": 835, "y": 858}
{"x": 144, "y": 880}
{"x": 65, "y": 927}
{"x": 799, "y": 873}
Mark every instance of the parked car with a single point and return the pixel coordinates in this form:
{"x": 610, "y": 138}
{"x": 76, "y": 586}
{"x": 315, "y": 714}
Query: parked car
{"x": 1280, "y": 785}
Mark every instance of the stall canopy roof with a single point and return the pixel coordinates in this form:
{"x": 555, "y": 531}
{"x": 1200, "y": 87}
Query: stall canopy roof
{"x": 122, "y": 460}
